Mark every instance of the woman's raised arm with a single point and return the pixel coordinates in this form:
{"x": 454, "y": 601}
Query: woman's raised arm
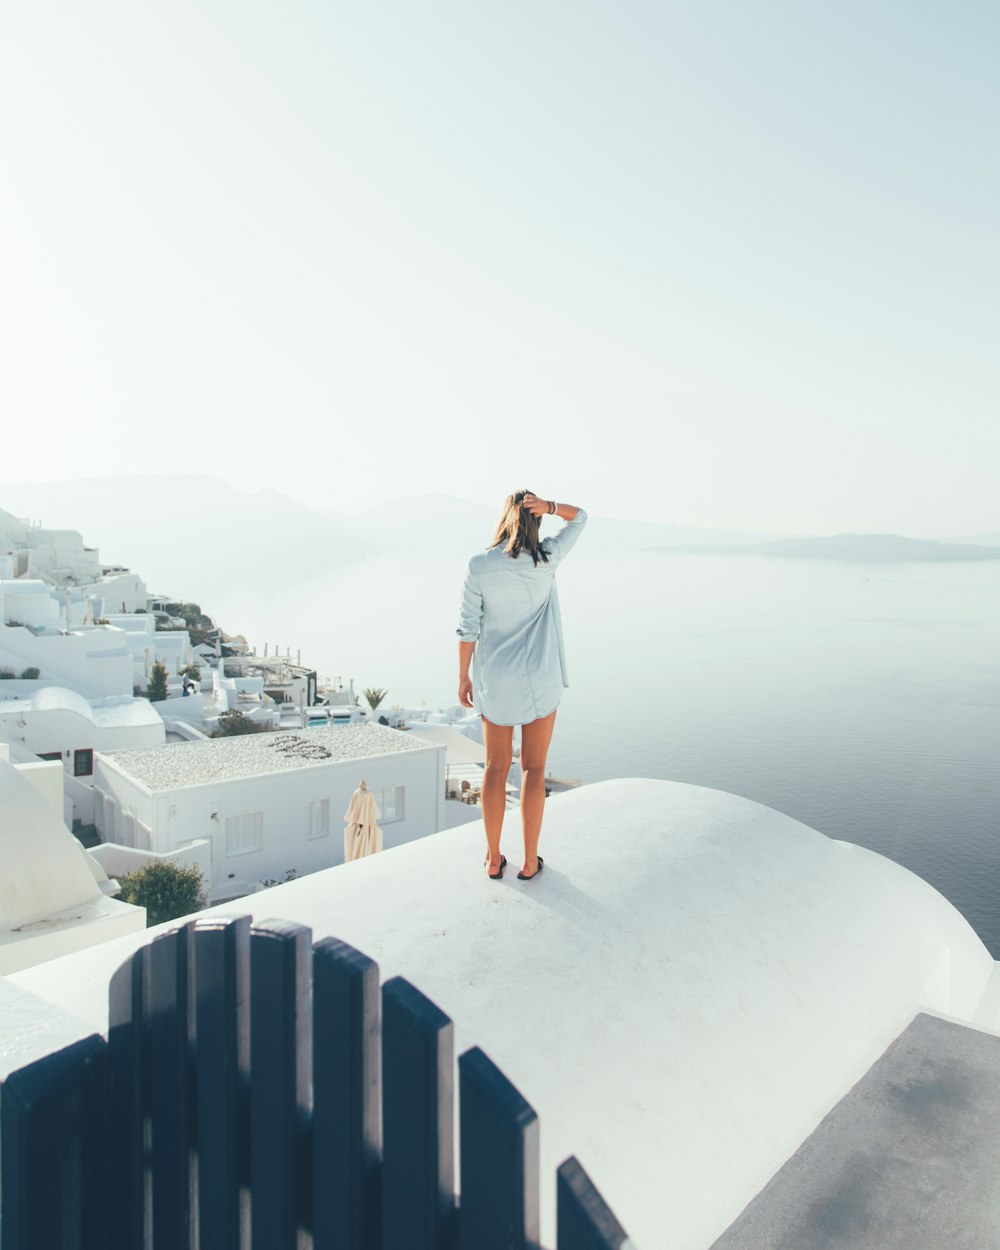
{"x": 549, "y": 507}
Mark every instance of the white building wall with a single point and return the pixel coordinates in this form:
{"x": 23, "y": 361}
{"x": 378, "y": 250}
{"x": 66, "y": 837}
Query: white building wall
{"x": 120, "y": 861}
{"x": 96, "y": 662}
{"x": 180, "y": 816}
{"x": 147, "y": 646}
{"x": 47, "y": 778}
{"x": 123, "y": 809}
{"x": 65, "y": 933}
{"x": 45, "y": 775}
{"x": 62, "y": 729}
{"x": 43, "y": 731}
{"x": 62, "y": 551}
{"x": 30, "y": 602}
{"x": 122, "y": 592}
{"x": 179, "y": 707}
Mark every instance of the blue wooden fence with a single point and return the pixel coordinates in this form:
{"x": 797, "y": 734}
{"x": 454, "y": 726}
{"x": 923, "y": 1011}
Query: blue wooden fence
{"x": 257, "y": 1092}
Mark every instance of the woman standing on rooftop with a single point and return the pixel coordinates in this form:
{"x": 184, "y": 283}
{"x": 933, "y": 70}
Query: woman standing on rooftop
{"x": 510, "y": 620}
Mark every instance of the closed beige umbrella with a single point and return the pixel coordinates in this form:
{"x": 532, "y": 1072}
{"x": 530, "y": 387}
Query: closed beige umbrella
{"x": 362, "y": 835}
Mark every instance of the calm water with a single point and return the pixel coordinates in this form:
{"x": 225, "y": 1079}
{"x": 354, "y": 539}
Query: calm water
{"x": 861, "y": 699}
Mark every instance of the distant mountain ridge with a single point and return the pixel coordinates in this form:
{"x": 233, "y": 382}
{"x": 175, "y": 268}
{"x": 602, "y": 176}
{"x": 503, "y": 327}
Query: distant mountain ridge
{"x": 864, "y": 548}
{"x": 977, "y": 540}
{"x": 187, "y": 534}
{"x": 446, "y": 523}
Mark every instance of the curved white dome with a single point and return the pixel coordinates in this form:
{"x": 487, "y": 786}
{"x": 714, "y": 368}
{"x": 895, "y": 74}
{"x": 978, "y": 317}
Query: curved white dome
{"x": 692, "y": 982}
{"x": 62, "y": 699}
{"x": 42, "y": 870}
{"x": 686, "y": 990}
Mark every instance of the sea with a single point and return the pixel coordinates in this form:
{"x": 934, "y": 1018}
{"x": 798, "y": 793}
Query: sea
{"x": 861, "y": 699}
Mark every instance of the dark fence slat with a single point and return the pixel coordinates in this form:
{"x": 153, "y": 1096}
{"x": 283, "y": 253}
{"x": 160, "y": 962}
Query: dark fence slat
{"x": 127, "y": 1105}
{"x": 418, "y": 1166}
{"x": 346, "y": 1137}
{"x": 584, "y": 1220}
{"x": 170, "y": 1090}
{"x": 53, "y": 1151}
{"x": 499, "y": 1156}
{"x": 280, "y": 1065}
{"x": 221, "y": 1005}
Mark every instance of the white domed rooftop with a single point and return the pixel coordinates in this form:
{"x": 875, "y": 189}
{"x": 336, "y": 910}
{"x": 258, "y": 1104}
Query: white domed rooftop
{"x": 685, "y": 991}
{"x": 42, "y": 867}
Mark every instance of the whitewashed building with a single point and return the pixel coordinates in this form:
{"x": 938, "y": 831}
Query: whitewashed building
{"x": 59, "y": 724}
{"x": 51, "y": 897}
{"x": 270, "y": 804}
{"x": 67, "y": 641}
{"x": 56, "y": 603}
{"x": 61, "y": 559}
{"x": 92, "y": 659}
{"x": 149, "y": 646}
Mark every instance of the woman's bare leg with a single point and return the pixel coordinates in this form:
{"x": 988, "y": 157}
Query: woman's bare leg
{"x": 498, "y": 740}
{"x": 535, "y": 739}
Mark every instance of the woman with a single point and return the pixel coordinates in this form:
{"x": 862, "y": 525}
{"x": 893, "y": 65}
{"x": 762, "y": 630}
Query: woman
{"x": 510, "y": 620}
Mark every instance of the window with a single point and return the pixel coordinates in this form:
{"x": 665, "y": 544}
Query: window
{"x": 318, "y": 818}
{"x": 244, "y": 833}
{"x": 390, "y": 803}
{"x": 83, "y": 763}
{"x": 50, "y": 755}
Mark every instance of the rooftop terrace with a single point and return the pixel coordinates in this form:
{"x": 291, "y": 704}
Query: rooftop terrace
{"x": 174, "y": 765}
{"x": 683, "y": 995}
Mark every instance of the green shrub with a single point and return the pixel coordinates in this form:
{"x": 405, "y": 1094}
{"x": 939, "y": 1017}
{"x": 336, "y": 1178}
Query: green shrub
{"x": 233, "y": 723}
{"x": 166, "y": 890}
{"x": 7, "y": 674}
{"x": 156, "y": 691}
{"x": 31, "y": 674}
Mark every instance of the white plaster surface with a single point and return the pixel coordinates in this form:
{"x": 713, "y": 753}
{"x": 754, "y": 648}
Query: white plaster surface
{"x": 62, "y": 933}
{"x": 41, "y": 869}
{"x": 32, "y": 1028}
{"x": 47, "y": 778}
{"x": 124, "y": 712}
{"x": 690, "y": 985}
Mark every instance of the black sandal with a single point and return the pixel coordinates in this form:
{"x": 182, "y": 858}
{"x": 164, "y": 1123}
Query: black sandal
{"x": 495, "y": 876}
{"x": 541, "y": 864}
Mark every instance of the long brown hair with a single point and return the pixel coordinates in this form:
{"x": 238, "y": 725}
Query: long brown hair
{"x": 517, "y": 529}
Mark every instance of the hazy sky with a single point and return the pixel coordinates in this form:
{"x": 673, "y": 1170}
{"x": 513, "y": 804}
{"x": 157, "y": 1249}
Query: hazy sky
{"x": 713, "y": 263}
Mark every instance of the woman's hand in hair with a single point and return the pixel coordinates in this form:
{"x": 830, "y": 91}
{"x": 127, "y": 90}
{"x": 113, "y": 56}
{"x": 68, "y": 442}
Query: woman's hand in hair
{"x": 536, "y": 506}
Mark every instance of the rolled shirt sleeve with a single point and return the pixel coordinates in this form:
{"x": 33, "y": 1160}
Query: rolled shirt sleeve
{"x": 556, "y": 546}
{"x": 470, "y": 621}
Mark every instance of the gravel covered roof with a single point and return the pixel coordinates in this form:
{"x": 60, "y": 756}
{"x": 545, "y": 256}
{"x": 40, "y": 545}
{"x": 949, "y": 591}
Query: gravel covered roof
{"x": 222, "y": 759}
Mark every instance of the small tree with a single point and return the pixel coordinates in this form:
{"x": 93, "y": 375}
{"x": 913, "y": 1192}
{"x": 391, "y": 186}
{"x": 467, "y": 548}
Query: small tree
{"x": 166, "y": 890}
{"x": 375, "y": 697}
{"x": 31, "y": 674}
{"x": 156, "y": 691}
{"x": 233, "y": 723}
{"x": 191, "y": 670}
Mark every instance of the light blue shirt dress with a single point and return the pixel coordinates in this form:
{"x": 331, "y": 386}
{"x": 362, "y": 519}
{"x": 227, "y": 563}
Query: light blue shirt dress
{"x": 510, "y": 610}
